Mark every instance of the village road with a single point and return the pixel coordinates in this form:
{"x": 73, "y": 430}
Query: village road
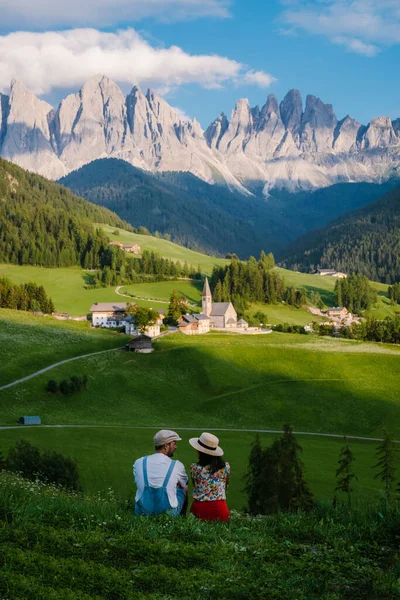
{"x": 62, "y": 362}
{"x": 138, "y": 297}
{"x": 329, "y": 435}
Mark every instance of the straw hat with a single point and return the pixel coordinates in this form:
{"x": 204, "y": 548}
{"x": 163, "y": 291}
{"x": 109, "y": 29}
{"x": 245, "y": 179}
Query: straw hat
{"x": 207, "y": 443}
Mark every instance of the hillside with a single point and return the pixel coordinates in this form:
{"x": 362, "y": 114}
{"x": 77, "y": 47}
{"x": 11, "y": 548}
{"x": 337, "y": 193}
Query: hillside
{"x": 211, "y": 217}
{"x": 230, "y": 382}
{"x": 63, "y": 546}
{"x": 42, "y": 223}
{"x": 197, "y": 215}
{"x": 366, "y": 242}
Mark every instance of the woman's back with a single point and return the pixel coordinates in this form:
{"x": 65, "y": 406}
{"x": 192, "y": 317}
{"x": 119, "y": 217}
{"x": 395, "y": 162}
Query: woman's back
{"x": 207, "y": 485}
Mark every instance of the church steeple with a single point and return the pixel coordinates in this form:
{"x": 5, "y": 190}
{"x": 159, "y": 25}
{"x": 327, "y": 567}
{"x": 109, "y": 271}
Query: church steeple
{"x": 206, "y": 299}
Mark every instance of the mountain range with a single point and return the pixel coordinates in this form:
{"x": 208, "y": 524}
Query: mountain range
{"x": 279, "y": 146}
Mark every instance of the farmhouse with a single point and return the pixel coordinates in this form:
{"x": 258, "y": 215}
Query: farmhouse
{"x": 108, "y": 314}
{"x": 331, "y": 273}
{"x": 134, "y": 248}
{"x": 194, "y": 324}
{"x": 338, "y": 312}
{"x": 151, "y": 331}
{"x": 222, "y": 314}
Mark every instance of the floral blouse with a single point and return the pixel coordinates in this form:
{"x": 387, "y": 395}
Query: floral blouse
{"x": 209, "y": 486}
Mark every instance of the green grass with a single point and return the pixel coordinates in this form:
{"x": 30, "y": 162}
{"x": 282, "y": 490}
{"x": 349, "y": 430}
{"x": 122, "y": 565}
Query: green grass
{"x": 213, "y": 381}
{"x": 117, "y": 448}
{"x": 62, "y": 547}
{"x": 165, "y": 248}
{"x": 66, "y": 287}
{"x": 162, "y": 290}
{"x": 283, "y": 313}
{"x": 29, "y": 343}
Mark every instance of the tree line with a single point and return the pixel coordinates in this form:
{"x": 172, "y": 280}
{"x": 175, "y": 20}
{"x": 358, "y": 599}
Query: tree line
{"x": 117, "y": 267}
{"x": 355, "y": 293}
{"x": 274, "y": 479}
{"x": 241, "y": 282}
{"x": 42, "y": 223}
{"x": 24, "y": 296}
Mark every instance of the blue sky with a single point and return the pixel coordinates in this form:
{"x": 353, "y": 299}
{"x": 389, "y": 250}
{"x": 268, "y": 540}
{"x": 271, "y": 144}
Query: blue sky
{"x": 204, "y": 55}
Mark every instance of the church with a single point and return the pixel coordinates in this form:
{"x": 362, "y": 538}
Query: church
{"x": 221, "y": 314}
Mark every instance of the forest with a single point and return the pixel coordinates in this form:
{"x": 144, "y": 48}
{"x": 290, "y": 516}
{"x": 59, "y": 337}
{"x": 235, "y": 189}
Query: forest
{"x": 364, "y": 242}
{"x": 25, "y": 296}
{"x": 42, "y": 223}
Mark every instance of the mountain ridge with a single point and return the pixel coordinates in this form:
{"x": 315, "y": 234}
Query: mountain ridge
{"x": 280, "y": 145}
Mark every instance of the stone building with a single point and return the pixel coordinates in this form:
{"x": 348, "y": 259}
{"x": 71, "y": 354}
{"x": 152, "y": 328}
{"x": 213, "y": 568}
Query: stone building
{"x": 222, "y": 314}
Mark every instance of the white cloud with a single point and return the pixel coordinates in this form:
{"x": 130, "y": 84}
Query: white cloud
{"x": 43, "y": 14}
{"x": 45, "y": 61}
{"x": 362, "y": 26}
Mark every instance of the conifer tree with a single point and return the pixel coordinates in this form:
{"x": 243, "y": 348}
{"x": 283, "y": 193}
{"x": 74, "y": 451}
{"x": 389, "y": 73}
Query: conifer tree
{"x": 344, "y": 474}
{"x": 386, "y": 453}
{"x": 217, "y": 295}
{"x": 174, "y": 308}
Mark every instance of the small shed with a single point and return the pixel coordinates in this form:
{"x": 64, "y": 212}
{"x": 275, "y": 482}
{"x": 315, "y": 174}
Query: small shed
{"x": 29, "y": 421}
{"x": 141, "y": 344}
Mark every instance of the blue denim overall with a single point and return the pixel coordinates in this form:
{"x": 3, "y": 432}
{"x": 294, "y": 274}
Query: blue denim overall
{"x": 155, "y": 501}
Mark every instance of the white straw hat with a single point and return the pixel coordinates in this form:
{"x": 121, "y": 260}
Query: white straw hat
{"x": 207, "y": 443}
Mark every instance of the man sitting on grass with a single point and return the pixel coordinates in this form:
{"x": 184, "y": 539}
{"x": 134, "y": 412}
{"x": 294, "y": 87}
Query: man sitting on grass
{"x": 161, "y": 482}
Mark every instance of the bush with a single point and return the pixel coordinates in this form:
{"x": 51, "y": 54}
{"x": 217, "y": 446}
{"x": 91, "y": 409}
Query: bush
{"x": 52, "y": 387}
{"x": 49, "y": 467}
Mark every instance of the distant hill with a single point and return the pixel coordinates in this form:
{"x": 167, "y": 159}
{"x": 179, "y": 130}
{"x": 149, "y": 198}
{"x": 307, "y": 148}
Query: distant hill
{"x": 42, "y": 223}
{"x": 366, "y": 242}
{"x": 211, "y": 218}
{"x": 203, "y": 217}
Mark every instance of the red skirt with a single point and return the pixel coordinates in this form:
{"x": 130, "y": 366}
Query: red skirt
{"x": 212, "y": 510}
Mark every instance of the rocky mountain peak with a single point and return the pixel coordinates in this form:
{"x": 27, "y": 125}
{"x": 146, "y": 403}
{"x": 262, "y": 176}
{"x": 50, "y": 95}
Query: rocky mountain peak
{"x": 216, "y": 130}
{"x": 291, "y": 109}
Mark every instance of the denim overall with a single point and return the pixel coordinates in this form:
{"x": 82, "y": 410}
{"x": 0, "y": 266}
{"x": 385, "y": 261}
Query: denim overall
{"x": 154, "y": 501}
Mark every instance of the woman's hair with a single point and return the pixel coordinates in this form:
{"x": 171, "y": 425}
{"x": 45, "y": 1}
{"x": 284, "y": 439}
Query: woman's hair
{"x": 214, "y": 462}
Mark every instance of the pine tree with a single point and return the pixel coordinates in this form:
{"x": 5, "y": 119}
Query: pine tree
{"x": 174, "y": 308}
{"x": 344, "y": 474}
{"x": 217, "y": 295}
{"x": 386, "y": 453}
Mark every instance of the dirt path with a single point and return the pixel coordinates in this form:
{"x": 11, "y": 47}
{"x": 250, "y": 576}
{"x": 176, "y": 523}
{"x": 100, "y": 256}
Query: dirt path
{"x": 57, "y": 364}
{"x": 227, "y": 429}
{"x": 138, "y": 297}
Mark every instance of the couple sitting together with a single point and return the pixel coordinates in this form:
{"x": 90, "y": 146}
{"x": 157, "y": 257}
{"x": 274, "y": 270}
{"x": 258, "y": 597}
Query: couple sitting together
{"x": 162, "y": 483}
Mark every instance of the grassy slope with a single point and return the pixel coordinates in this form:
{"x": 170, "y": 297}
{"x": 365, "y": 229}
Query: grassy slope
{"x": 162, "y": 290}
{"x": 29, "y": 343}
{"x": 165, "y": 248}
{"x": 61, "y": 547}
{"x": 216, "y": 381}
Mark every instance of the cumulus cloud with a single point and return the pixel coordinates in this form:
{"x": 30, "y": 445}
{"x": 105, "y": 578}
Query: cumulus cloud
{"x": 43, "y": 14}
{"x": 362, "y": 26}
{"x": 45, "y": 61}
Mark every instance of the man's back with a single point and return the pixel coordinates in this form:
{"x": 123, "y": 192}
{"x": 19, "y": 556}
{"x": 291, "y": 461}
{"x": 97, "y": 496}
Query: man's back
{"x": 158, "y": 465}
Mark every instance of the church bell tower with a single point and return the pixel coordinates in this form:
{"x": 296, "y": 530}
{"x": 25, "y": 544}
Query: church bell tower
{"x": 206, "y": 299}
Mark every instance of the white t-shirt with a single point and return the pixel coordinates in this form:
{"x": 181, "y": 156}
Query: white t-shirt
{"x": 157, "y": 467}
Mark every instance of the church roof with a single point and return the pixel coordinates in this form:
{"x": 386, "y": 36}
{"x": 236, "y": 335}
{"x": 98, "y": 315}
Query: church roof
{"x": 206, "y": 288}
{"x": 219, "y": 309}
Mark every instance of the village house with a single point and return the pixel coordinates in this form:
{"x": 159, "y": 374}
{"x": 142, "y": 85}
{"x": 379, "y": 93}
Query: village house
{"x": 151, "y": 331}
{"x": 222, "y": 314}
{"x": 194, "y": 324}
{"x": 337, "y": 312}
{"x": 108, "y": 314}
{"x": 134, "y": 248}
{"x": 113, "y": 314}
{"x": 331, "y": 273}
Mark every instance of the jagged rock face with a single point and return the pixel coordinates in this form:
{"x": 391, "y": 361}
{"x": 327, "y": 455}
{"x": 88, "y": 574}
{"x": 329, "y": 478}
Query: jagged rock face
{"x": 279, "y": 145}
{"x": 26, "y": 137}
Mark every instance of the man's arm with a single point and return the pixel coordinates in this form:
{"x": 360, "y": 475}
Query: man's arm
{"x": 182, "y": 477}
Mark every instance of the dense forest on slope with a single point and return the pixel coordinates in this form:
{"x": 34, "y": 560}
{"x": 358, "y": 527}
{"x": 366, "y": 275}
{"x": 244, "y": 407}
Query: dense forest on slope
{"x": 43, "y": 223}
{"x": 365, "y": 242}
{"x": 212, "y": 218}
{"x": 197, "y": 215}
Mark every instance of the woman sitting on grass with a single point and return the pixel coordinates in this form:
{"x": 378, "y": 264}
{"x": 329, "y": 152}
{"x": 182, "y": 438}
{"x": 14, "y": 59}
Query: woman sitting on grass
{"x": 210, "y": 477}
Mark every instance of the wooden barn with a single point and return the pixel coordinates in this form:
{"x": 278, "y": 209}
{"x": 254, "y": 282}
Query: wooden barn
{"x": 141, "y": 344}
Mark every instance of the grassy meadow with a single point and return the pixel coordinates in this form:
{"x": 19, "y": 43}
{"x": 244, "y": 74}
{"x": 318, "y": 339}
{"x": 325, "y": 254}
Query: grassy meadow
{"x": 162, "y": 290}
{"x": 29, "y": 343}
{"x": 165, "y": 248}
{"x": 218, "y": 381}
